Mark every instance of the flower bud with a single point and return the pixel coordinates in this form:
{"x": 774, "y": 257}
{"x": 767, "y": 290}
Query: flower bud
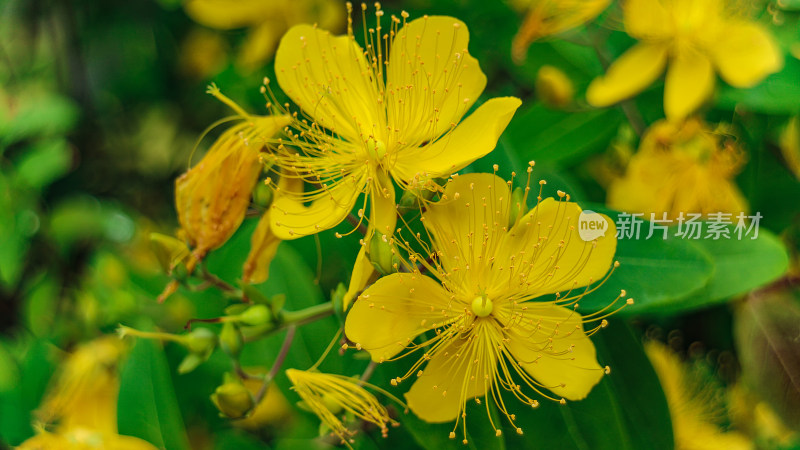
{"x": 230, "y": 340}
{"x": 380, "y": 254}
{"x": 200, "y": 341}
{"x": 255, "y": 315}
{"x": 232, "y": 399}
{"x": 262, "y": 195}
{"x": 553, "y": 87}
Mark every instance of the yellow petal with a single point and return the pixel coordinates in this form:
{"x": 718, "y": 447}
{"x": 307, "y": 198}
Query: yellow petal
{"x": 473, "y": 138}
{"x": 291, "y": 219}
{"x": 549, "y": 343}
{"x": 446, "y": 382}
{"x": 393, "y": 311}
{"x": 745, "y": 53}
{"x": 690, "y": 82}
{"x": 225, "y": 14}
{"x": 432, "y": 80}
{"x": 329, "y": 78}
{"x": 628, "y": 75}
{"x": 545, "y": 247}
{"x": 263, "y": 245}
{"x": 467, "y": 226}
{"x": 646, "y": 19}
{"x": 362, "y": 271}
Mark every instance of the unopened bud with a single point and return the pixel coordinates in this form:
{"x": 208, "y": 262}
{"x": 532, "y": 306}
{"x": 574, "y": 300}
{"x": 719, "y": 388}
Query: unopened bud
{"x": 232, "y": 399}
{"x": 230, "y": 339}
{"x": 255, "y": 315}
{"x": 200, "y": 341}
{"x": 380, "y": 254}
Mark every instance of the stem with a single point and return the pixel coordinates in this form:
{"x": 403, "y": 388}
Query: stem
{"x": 291, "y": 318}
{"x": 356, "y": 222}
{"x": 367, "y": 372}
{"x": 309, "y": 314}
{"x": 216, "y": 281}
{"x": 276, "y": 366}
{"x": 128, "y": 331}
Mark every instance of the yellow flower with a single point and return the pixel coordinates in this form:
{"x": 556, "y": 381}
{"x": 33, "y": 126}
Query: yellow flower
{"x": 331, "y": 396}
{"x": 697, "y": 38}
{"x": 390, "y": 111}
{"x": 693, "y": 410}
{"x": 494, "y": 317}
{"x": 680, "y": 168}
{"x": 548, "y": 17}
{"x": 267, "y": 21}
{"x": 83, "y": 403}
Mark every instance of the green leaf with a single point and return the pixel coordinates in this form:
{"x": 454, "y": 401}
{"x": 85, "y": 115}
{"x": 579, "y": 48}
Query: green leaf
{"x": 739, "y": 267}
{"x": 17, "y": 405}
{"x": 626, "y": 410}
{"x": 147, "y": 407}
{"x": 654, "y": 272}
{"x": 550, "y": 136}
{"x": 44, "y": 163}
{"x": 777, "y": 94}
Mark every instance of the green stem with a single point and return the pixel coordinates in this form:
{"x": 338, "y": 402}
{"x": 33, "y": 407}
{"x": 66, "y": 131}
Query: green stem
{"x": 309, "y": 314}
{"x": 291, "y": 318}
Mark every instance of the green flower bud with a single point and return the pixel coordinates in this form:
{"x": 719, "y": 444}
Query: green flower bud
{"x": 381, "y": 255}
{"x": 256, "y": 315}
{"x": 262, "y": 195}
{"x": 230, "y": 340}
{"x": 200, "y": 341}
{"x": 232, "y": 399}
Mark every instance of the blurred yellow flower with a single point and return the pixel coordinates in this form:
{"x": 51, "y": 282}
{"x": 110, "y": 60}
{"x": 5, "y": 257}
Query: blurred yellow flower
{"x": 83, "y": 403}
{"x": 331, "y": 396}
{"x": 493, "y": 323}
{"x": 390, "y": 111}
{"x": 694, "y": 411}
{"x": 697, "y": 38}
{"x": 680, "y": 168}
{"x": 548, "y": 17}
{"x": 266, "y": 19}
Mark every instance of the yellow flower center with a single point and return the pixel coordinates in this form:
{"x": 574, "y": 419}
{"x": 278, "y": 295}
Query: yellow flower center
{"x": 482, "y": 306}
